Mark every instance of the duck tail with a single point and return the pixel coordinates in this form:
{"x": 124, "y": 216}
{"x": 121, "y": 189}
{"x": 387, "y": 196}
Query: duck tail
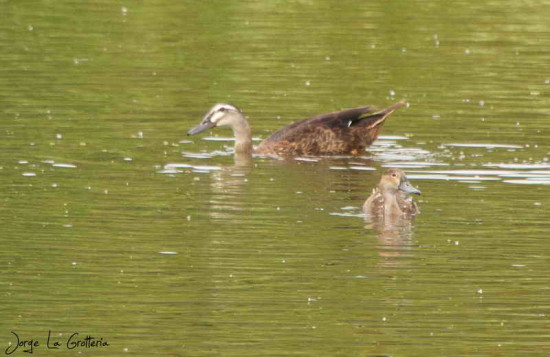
{"x": 385, "y": 113}
{"x": 393, "y": 107}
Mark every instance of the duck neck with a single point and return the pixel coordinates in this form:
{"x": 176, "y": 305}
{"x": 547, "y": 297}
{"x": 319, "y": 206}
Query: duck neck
{"x": 243, "y": 136}
{"x": 389, "y": 194}
{"x": 390, "y": 202}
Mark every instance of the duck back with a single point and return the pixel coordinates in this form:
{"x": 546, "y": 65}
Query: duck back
{"x": 348, "y": 131}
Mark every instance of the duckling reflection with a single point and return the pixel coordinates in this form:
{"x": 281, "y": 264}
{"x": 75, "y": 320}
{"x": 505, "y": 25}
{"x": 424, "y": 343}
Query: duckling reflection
{"x": 343, "y": 132}
{"x": 394, "y": 239}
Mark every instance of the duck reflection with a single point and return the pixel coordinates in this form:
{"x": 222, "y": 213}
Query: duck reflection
{"x": 228, "y": 186}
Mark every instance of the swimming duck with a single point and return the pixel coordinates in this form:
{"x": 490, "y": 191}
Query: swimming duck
{"x": 392, "y": 196}
{"x": 343, "y": 132}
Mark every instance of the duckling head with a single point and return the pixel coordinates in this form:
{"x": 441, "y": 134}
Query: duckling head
{"x": 221, "y": 114}
{"x": 394, "y": 180}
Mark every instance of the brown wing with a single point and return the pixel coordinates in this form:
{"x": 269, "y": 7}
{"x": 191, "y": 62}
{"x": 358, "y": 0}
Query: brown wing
{"x": 374, "y": 205}
{"x": 344, "y": 132}
{"x": 407, "y": 205}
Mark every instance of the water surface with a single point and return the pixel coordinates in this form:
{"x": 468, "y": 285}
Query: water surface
{"x": 117, "y": 225}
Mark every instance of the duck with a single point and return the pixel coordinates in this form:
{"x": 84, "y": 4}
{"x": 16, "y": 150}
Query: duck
{"x": 344, "y": 132}
{"x": 391, "y": 198}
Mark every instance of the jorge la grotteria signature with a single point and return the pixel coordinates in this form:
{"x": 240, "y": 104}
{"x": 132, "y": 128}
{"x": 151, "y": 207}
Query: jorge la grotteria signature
{"x": 74, "y": 341}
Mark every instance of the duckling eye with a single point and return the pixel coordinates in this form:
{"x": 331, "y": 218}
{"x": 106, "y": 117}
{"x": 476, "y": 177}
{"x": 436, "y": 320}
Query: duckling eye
{"x": 393, "y": 175}
{"x": 222, "y": 110}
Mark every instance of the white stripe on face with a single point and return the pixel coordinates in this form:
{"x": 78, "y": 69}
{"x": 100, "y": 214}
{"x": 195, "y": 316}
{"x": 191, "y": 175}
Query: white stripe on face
{"x": 216, "y": 117}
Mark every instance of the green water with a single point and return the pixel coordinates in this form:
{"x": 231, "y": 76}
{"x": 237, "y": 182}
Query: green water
{"x": 116, "y": 225}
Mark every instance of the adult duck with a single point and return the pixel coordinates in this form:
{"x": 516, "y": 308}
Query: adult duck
{"x": 391, "y": 198}
{"x": 345, "y": 132}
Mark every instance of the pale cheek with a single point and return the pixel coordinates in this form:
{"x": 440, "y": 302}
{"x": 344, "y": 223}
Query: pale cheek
{"x": 216, "y": 118}
{"x": 396, "y": 180}
{"x": 224, "y": 122}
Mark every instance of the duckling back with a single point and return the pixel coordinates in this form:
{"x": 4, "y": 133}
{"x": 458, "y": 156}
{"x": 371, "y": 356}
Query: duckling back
{"x": 383, "y": 205}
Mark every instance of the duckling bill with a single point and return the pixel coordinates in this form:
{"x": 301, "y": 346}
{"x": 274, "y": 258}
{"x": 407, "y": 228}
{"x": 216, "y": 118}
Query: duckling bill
{"x": 392, "y": 196}
{"x": 345, "y": 132}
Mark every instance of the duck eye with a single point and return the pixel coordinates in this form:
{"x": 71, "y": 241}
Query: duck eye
{"x": 222, "y": 110}
{"x": 393, "y": 175}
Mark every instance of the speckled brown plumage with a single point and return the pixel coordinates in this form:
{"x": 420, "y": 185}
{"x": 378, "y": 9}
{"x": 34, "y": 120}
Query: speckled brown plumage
{"x": 344, "y": 132}
{"x": 377, "y": 204}
{"x": 392, "y": 196}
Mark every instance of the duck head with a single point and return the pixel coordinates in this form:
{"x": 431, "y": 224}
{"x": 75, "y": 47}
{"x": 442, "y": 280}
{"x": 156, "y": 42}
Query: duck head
{"x": 394, "y": 180}
{"x": 221, "y": 114}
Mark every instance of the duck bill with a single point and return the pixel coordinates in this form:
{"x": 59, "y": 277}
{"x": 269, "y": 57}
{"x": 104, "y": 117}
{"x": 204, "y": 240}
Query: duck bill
{"x": 200, "y": 128}
{"x": 405, "y": 186}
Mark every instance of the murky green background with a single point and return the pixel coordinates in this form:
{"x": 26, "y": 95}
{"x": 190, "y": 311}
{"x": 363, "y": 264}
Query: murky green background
{"x": 100, "y": 185}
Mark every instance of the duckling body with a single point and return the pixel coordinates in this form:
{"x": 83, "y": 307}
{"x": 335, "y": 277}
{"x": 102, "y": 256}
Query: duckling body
{"x": 344, "y": 132}
{"x": 391, "y": 198}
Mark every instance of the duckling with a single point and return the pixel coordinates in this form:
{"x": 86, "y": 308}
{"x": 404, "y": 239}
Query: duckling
{"x": 343, "y": 132}
{"x": 392, "y": 196}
